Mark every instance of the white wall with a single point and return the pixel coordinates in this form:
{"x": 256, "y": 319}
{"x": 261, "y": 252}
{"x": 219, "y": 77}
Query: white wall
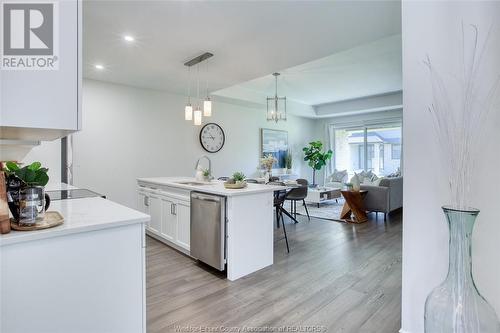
{"x": 129, "y": 133}
{"x": 433, "y": 28}
{"x": 49, "y": 154}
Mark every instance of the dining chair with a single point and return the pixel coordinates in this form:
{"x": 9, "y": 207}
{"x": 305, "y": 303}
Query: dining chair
{"x": 298, "y": 194}
{"x": 279, "y": 200}
{"x": 302, "y": 181}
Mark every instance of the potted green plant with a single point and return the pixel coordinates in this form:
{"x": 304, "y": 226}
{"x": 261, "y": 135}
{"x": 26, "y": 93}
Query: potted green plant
{"x": 288, "y": 162}
{"x": 315, "y": 157}
{"x": 238, "y": 177}
{"x": 26, "y": 191}
{"x": 206, "y": 175}
{"x": 236, "y": 181}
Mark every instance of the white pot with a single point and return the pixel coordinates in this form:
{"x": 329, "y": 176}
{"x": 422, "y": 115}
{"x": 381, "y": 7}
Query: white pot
{"x": 356, "y": 184}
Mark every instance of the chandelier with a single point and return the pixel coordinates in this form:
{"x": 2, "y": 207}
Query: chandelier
{"x": 189, "y": 111}
{"x": 276, "y": 105}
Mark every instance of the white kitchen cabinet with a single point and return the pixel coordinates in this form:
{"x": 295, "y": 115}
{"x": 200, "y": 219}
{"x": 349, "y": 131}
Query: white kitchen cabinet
{"x": 46, "y": 104}
{"x": 170, "y": 215}
{"x": 142, "y": 202}
{"x": 249, "y": 242}
{"x": 168, "y": 220}
{"x": 155, "y": 210}
{"x": 183, "y": 214}
{"x": 87, "y": 275}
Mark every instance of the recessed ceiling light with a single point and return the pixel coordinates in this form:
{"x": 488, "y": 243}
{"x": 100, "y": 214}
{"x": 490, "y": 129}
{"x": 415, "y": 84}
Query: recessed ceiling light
{"x": 129, "y": 38}
{"x": 99, "y": 67}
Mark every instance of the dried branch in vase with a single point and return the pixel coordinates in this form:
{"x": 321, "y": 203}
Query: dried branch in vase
{"x": 458, "y": 122}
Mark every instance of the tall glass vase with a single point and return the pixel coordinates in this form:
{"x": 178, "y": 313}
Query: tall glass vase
{"x": 455, "y": 306}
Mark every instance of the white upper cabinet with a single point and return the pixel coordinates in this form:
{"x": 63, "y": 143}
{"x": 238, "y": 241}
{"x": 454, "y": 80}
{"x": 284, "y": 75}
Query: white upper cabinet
{"x": 41, "y": 104}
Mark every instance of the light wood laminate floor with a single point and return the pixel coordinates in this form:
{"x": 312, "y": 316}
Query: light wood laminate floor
{"x": 339, "y": 277}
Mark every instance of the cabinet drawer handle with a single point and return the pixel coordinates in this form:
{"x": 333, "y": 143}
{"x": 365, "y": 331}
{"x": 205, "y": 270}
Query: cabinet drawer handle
{"x": 174, "y": 209}
{"x": 146, "y": 201}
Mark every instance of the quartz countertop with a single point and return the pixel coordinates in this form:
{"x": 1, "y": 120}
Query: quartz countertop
{"x": 213, "y": 187}
{"x": 80, "y": 215}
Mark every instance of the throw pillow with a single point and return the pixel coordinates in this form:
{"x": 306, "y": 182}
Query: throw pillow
{"x": 338, "y": 176}
{"x": 366, "y": 181}
{"x": 377, "y": 181}
{"x": 396, "y": 173}
{"x": 362, "y": 175}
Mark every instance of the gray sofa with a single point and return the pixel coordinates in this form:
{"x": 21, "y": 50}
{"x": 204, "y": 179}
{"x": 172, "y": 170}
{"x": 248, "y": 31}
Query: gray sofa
{"x": 386, "y": 197}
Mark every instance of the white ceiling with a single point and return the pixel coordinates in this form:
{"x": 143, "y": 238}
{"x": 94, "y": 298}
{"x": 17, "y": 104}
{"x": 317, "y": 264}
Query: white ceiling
{"x": 367, "y": 70}
{"x": 250, "y": 39}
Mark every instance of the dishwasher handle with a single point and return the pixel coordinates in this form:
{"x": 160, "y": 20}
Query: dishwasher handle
{"x": 206, "y": 197}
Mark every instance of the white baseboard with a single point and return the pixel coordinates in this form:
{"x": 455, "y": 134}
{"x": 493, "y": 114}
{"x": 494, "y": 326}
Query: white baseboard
{"x": 403, "y": 331}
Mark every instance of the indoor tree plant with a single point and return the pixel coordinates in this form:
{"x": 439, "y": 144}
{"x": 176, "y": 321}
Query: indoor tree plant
{"x": 316, "y": 157}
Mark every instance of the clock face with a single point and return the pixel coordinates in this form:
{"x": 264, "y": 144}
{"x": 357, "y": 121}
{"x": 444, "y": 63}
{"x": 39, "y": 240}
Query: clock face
{"x": 212, "y": 137}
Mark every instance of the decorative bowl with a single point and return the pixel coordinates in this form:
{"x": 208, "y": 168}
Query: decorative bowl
{"x": 236, "y": 185}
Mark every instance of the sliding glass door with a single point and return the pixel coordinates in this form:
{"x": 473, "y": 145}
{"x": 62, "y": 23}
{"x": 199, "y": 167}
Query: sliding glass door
{"x": 348, "y": 152}
{"x": 376, "y": 148}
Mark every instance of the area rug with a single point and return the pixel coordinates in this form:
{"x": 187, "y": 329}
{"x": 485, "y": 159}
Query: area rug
{"x": 328, "y": 210}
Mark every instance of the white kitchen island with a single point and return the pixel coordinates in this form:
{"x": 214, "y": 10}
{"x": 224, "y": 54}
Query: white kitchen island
{"x": 86, "y": 275}
{"x": 249, "y": 219}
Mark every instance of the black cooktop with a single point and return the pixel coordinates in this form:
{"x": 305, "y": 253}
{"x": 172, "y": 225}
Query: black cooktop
{"x": 73, "y": 194}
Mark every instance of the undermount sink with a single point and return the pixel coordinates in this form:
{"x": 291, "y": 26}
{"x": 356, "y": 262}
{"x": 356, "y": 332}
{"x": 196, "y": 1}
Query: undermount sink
{"x": 192, "y": 183}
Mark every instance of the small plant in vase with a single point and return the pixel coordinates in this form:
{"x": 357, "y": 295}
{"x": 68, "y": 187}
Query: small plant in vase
{"x": 206, "y": 175}
{"x": 288, "y": 162}
{"x": 267, "y": 162}
{"x": 26, "y": 191}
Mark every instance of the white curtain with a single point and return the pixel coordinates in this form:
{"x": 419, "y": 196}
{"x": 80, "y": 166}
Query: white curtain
{"x": 330, "y": 144}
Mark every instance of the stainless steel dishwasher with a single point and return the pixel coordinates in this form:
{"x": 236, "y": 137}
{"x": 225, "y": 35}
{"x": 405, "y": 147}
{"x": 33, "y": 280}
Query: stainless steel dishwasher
{"x": 208, "y": 229}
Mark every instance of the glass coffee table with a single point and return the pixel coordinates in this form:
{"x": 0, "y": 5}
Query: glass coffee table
{"x": 321, "y": 194}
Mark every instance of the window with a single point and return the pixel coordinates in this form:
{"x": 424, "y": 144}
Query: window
{"x": 370, "y": 157}
{"x": 381, "y": 157}
{"x": 396, "y": 151}
{"x": 348, "y": 150}
{"x": 375, "y": 148}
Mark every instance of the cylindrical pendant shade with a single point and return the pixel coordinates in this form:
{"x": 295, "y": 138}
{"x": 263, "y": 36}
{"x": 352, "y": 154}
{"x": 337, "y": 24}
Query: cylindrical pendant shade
{"x": 207, "y": 107}
{"x": 188, "y": 112}
{"x": 197, "y": 117}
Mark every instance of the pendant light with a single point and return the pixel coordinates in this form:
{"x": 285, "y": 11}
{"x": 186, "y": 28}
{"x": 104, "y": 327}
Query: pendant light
{"x": 197, "y": 110}
{"x": 276, "y": 105}
{"x": 188, "y": 109}
{"x": 207, "y": 103}
{"x": 196, "y": 114}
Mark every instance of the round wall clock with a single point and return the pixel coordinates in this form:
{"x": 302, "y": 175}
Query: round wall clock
{"x": 212, "y": 137}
